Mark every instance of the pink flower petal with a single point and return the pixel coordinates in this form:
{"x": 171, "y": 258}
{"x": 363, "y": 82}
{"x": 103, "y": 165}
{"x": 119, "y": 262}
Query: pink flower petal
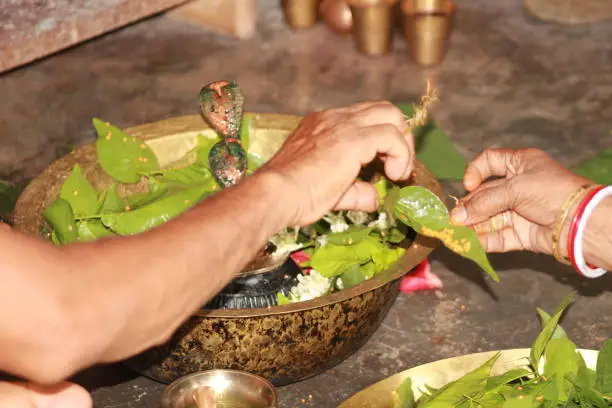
{"x": 300, "y": 257}
{"x": 421, "y": 278}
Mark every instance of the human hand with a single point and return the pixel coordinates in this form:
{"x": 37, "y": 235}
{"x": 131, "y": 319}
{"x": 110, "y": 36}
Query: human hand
{"x": 517, "y": 211}
{"x": 27, "y": 395}
{"x": 320, "y": 161}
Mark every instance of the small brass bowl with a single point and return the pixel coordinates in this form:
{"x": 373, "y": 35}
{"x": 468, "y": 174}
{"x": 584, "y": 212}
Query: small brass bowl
{"x": 219, "y": 388}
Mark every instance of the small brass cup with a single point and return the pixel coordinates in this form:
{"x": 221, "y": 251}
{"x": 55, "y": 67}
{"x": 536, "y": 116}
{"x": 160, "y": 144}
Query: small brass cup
{"x": 219, "y": 388}
{"x": 301, "y": 13}
{"x": 427, "y": 27}
{"x": 373, "y": 25}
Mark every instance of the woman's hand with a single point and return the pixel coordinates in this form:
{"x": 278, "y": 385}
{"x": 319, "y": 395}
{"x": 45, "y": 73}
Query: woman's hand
{"x": 321, "y": 159}
{"x": 516, "y": 211}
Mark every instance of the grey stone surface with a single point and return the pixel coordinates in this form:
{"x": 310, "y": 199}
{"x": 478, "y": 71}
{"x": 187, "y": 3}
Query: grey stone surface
{"x": 507, "y": 81}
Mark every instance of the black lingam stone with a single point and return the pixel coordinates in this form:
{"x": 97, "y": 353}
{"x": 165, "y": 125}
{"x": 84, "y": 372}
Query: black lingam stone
{"x": 257, "y": 290}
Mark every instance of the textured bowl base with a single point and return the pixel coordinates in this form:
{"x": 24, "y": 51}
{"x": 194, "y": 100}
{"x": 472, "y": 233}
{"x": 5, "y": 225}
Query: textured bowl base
{"x": 283, "y": 348}
{"x": 570, "y": 11}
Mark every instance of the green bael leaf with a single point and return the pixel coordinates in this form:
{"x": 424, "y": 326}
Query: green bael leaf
{"x": 353, "y": 235}
{"x": 497, "y": 381}
{"x": 121, "y": 156}
{"x": 597, "y": 169}
{"x": 79, "y": 192}
{"x": 539, "y": 345}
{"x": 154, "y": 214}
{"x": 403, "y": 397}
{"x": 420, "y": 207}
{"x": 369, "y": 254}
{"x": 604, "y": 369}
{"x": 457, "y": 391}
{"x": 332, "y": 260}
{"x": 92, "y": 230}
{"x": 353, "y": 276}
{"x": 559, "y": 333}
{"x": 111, "y": 201}
{"x": 586, "y": 377}
{"x": 464, "y": 241}
{"x": 436, "y": 150}
{"x": 245, "y": 131}
{"x": 519, "y": 402}
{"x": 561, "y": 361}
{"x": 60, "y": 217}
{"x": 381, "y": 186}
{"x": 281, "y": 299}
{"x": 422, "y": 210}
{"x": 395, "y": 236}
{"x": 589, "y": 398}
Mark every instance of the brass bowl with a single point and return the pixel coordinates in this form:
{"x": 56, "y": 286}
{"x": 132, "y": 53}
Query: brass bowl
{"x": 219, "y": 387}
{"x": 283, "y": 344}
{"x": 442, "y": 372}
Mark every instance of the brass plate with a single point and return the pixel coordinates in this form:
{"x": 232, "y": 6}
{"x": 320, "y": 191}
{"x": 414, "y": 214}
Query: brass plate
{"x": 441, "y": 372}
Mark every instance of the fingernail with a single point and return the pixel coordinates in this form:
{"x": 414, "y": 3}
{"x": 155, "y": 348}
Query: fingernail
{"x": 459, "y": 214}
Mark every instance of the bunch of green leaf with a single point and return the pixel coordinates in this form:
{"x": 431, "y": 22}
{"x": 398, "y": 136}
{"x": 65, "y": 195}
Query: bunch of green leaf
{"x": 82, "y": 214}
{"x": 369, "y": 243}
{"x": 555, "y": 376}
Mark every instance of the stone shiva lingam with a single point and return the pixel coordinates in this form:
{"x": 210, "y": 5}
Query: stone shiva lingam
{"x": 270, "y": 273}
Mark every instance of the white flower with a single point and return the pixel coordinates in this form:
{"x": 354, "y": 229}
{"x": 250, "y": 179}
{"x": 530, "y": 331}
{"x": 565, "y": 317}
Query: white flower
{"x": 310, "y": 286}
{"x": 381, "y": 223}
{"x": 339, "y": 283}
{"x": 340, "y": 226}
{"x": 322, "y": 240}
{"x": 286, "y": 242}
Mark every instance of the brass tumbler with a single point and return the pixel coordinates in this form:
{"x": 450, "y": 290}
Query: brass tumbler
{"x": 427, "y": 27}
{"x": 373, "y": 25}
{"x": 301, "y": 13}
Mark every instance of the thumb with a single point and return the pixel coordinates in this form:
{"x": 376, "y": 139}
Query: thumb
{"x": 27, "y": 395}
{"x": 481, "y": 205}
{"x": 360, "y": 196}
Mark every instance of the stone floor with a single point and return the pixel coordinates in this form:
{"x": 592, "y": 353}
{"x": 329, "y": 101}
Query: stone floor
{"x": 507, "y": 81}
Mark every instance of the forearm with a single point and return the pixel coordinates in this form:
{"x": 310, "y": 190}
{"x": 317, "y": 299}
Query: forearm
{"x": 124, "y": 295}
{"x": 598, "y": 235}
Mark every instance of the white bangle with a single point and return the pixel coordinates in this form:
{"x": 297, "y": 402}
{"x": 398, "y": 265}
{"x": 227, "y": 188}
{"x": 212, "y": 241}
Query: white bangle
{"x": 584, "y": 269}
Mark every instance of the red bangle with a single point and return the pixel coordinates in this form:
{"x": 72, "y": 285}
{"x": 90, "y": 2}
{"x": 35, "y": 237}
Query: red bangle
{"x": 571, "y": 237}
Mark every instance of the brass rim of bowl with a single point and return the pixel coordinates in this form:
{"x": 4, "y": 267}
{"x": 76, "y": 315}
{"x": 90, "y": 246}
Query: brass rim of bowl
{"x": 417, "y": 251}
{"x": 174, "y": 384}
{"x": 263, "y": 265}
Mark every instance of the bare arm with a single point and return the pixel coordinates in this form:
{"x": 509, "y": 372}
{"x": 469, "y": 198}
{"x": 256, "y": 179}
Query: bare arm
{"x": 63, "y": 309}
{"x": 115, "y": 297}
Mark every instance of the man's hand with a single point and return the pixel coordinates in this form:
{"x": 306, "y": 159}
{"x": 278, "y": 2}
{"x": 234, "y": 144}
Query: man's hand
{"x": 26, "y": 395}
{"x": 516, "y": 211}
{"x": 322, "y": 158}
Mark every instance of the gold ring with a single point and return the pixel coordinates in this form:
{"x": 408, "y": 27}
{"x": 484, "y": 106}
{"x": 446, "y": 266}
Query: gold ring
{"x": 507, "y": 219}
{"x": 493, "y": 224}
